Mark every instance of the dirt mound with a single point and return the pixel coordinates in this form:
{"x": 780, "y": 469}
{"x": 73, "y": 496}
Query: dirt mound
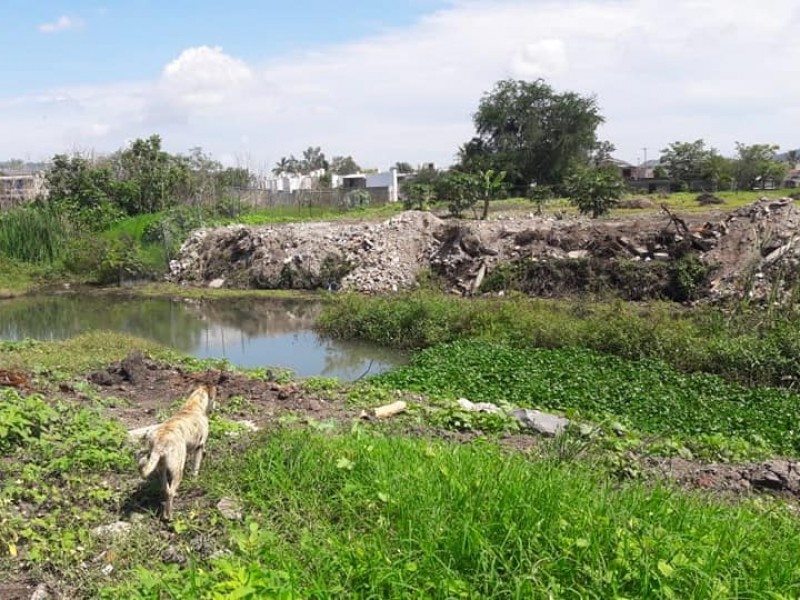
{"x": 751, "y": 251}
{"x": 709, "y": 199}
{"x": 636, "y": 203}
{"x": 136, "y": 400}
{"x": 361, "y": 257}
{"x": 777, "y": 476}
{"x": 758, "y": 253}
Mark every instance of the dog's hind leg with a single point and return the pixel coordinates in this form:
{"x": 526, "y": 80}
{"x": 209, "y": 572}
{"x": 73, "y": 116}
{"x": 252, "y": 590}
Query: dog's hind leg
{"x": 197, "y": 459}
{"x": 171, "y": 479}
{"x": 170, "y": 491}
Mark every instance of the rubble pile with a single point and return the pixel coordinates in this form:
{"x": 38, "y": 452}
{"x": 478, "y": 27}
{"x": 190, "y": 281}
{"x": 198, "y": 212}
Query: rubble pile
{"x": 759, "y": 252}
{"x": 748, "y": 250}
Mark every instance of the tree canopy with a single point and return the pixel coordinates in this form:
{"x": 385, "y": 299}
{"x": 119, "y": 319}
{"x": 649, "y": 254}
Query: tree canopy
{"x": 756, "y": 165}
{"x": 531, "y": 132}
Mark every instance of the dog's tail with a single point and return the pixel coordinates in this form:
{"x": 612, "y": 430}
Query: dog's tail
{"x": 147, "y": 464}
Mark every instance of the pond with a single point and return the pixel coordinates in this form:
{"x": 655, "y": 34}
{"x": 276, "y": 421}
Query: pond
{"x": 251, "y": 332}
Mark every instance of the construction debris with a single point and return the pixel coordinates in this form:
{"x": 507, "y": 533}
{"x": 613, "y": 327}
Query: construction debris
{"x": 756, "y": 243}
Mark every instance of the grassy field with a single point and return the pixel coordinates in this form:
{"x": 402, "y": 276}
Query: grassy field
{"x": 347, "y": 508}
{"x": 437, "y": 503}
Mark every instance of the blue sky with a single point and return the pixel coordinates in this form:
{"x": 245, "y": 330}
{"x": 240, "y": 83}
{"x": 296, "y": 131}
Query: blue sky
{"x": 386, "y": 81}
{"x": 134, "y": 38}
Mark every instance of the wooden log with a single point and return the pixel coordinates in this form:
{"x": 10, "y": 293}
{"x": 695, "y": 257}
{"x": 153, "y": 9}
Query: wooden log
{"x": 390, "y": 410}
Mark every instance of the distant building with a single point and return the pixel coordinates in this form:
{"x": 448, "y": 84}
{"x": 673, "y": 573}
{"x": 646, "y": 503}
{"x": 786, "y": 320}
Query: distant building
{"x": 19, "y": 188}
{"x": 387, "y": 182}
{"x": 792, "y": 179}
{"x": 383, "y": 185}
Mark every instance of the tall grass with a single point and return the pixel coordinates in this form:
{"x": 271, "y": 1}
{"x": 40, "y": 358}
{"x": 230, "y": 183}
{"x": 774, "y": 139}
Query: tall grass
{"x": 34, "y": 234}
{"x": 747, "y": 347}
{"x": 364, "y": 516}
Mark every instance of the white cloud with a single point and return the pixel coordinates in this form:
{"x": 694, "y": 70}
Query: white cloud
{"x": 540, "y": 59}
{"x": 724, "y": 70}
{"x": 63, "y": 23}
{"x": 204, "y": 76}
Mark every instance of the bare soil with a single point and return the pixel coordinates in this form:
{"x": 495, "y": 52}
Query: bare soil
{"x": 137, "y": 388}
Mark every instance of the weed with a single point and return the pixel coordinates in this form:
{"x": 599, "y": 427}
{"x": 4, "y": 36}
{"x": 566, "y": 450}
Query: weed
{"x": 362, "y": 515}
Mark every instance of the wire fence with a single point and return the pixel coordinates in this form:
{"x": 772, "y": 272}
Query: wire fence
{"x": 326, "y": 200}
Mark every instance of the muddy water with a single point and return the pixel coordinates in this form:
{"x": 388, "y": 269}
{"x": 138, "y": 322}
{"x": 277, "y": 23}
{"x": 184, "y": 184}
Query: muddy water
{"x": 249, "y": 332}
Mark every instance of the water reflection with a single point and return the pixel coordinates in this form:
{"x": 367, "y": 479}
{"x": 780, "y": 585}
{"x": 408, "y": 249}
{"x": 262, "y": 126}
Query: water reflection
{"x": 248, "y": 332}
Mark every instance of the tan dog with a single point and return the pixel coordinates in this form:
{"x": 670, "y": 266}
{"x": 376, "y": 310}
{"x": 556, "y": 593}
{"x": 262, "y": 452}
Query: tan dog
{"x": 171, "y": 442}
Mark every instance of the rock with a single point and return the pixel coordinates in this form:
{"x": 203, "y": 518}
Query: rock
{"x": 577, "y": 254}
{"x": 215, "y": 284}
{"x": 102, "y": 378}
{"x": 230, "y": 509}
{"x": 107, "y": 569}
{"x": 662, "y": 256}
{"x": 112, "y": 530}
{"x": 173, "y": 556}
{"x": 486, "y": 407}
{"x": 42, "y": 592}
{"x": 133, "y": 367}
{"x": 541, "y": 422}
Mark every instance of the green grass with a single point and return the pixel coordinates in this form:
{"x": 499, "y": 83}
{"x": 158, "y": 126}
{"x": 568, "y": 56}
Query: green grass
{"x": 58, "y": 461}
{"x": 367, "y": 516}
{"x": 749, "y": 346}
{"x": 292, "y": 214}
{"x": 17, "y": 278}
{"x": 81, "y": 354}
{"x": 647, "y": 394}
{"x": 687, "y": 201}
{"x": 33, "y": 234}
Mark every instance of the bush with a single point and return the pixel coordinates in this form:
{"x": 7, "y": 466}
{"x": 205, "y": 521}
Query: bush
{"x": 594, "y": 191}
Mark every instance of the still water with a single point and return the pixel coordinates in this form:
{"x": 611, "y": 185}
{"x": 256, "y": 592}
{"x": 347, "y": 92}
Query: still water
{"x": 247, "y": 332}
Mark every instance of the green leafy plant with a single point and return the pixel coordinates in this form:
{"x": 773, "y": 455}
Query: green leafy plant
{"x": 594, "y": 191}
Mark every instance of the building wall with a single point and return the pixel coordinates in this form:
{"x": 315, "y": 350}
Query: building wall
{"x": 18, "y": 189}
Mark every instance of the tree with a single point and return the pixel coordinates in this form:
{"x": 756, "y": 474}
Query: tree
{"x": 461, "y": 190}
{"x": 286, "y": 165}
{"x": 686, "y": 161}
{"x": 313, "y": 160}
{"x": 418, "y": 196}
{"x": 531, "y": 132}
{"x": 719, "y": 170}
{"x": 492, "y": 187}
{"x": 86, "y": 189}
{"x": 154, "y": 177}
{"x": 234, "y": 177}
{"x": 594, "y": 190}
{"x": 602, "y": 151}
{"x": 756, "y": 165}
{"x": 344, "y": 165}
{"x": 403, "y": 167}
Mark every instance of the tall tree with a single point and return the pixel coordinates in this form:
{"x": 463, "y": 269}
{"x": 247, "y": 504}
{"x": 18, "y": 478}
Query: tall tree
{"x": 686, "y": 161}
{"x": 313, "y": 160}
{"x": 532, "y": 132}
{"x": 602, "y": 151}
{"x": 286, "y": 165}
{"x": 756, "y": 165}
{"x": 344, "y": 165}
{"x": 154, "y": 177}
